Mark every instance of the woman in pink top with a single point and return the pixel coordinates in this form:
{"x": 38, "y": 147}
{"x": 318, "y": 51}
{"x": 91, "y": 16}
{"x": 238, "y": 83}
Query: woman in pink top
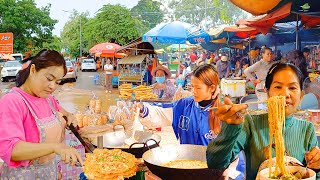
{"x": 31, "y": 128}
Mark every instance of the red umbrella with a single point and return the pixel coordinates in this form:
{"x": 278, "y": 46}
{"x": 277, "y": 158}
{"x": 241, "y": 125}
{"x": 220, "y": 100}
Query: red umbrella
{"x": 242, "y": 31}
{"x": 265, "y": 23}
{"x": 106, "y": 49}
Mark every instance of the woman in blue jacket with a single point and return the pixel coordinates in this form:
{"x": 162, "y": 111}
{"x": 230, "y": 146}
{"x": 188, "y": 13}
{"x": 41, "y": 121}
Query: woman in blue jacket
{"x": 192, "y": 121}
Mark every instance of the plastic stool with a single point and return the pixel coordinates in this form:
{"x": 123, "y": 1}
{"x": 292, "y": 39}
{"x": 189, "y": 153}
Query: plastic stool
{"x": 309, "y": 101}
{"x": 96, "y": 79}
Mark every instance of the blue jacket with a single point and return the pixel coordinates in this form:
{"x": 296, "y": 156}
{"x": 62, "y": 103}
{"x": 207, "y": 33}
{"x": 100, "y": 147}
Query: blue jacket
{"x": 190, "y": 122}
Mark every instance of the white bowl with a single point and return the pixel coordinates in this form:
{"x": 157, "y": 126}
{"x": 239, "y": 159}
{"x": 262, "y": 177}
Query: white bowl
{"x": 264, "y": 174}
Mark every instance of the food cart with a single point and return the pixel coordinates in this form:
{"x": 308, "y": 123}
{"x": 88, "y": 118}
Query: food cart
{"x": 132, "y": 69}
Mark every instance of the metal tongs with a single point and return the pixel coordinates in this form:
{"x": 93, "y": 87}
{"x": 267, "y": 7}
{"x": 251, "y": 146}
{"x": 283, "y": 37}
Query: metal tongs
{"x": 76, "y": 133}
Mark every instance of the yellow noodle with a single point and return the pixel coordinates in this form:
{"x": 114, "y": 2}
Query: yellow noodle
{"x": 276, "y": 120}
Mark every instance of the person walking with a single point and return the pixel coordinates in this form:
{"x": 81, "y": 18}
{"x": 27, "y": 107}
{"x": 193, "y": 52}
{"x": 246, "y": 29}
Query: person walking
{"x": 108, "y": 68}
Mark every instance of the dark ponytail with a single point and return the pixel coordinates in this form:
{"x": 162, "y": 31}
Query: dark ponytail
{"x": 44, "y": 59}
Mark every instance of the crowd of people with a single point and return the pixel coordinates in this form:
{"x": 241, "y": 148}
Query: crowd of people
{"x": 32, "y": 128}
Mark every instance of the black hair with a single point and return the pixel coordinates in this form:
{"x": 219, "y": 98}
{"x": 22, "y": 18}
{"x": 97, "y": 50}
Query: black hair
{"x": 44, "y": 59}
{"x": 280, "y": 66}
{"x": 306, "y": 50}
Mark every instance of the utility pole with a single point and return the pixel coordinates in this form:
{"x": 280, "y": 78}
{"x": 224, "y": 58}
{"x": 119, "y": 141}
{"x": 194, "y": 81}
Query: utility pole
{"x": 80, "y": 39}
{"x": 205, "y": 14}
{"x": 80, "y": 34}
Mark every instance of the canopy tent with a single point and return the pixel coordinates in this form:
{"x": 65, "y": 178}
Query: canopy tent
{"x": 132, "y": 59}
{"x": 287, "y": 11}
{"x": 176, "y": 32}
{"x": 139, "y": 46}
{"x": 282, "y": 14}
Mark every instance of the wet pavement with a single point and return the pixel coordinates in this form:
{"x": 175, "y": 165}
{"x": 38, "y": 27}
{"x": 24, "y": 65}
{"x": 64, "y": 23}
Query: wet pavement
{"x": 75, "y": 96}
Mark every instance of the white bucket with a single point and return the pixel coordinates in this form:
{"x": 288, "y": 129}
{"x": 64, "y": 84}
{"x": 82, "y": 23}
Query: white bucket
{"x": 264, "y": 174}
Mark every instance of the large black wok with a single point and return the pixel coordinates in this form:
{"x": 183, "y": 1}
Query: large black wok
{"x": 153, "y": 158}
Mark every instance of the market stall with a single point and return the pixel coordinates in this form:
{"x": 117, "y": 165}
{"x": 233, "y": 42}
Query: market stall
{"x": 132, "y": 69}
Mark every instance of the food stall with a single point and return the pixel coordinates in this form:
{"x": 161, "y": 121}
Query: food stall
{"x": 132, "y": 69}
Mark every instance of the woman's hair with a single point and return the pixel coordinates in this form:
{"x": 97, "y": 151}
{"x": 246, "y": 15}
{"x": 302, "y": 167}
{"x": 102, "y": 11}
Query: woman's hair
{"x": 281, "y": 66}
{"x": 209, "y": 76}
{"x": 44, "y": 59}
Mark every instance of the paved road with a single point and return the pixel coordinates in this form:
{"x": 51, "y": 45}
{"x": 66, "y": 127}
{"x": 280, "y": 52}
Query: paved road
{"x": 75, "y": 96}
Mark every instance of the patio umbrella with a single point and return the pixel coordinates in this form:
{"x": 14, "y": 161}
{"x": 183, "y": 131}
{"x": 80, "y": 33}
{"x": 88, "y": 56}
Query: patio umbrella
{"x": 176, "y": 33}
{"x": 256, "y": 7}
{"x": 288, "y": 11}
{"x": 106, "y": 49}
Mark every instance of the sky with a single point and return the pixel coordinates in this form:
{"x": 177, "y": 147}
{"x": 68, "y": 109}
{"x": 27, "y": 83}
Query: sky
{"x": 92, "y": 6}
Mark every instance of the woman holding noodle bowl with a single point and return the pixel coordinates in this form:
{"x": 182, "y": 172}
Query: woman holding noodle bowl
{"x": 250, "y": 133}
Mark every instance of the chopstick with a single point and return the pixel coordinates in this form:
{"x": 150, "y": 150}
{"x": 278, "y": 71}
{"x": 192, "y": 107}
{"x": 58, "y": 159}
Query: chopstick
{"x": 248, "y": 103}
{"x": 78, "y": 136}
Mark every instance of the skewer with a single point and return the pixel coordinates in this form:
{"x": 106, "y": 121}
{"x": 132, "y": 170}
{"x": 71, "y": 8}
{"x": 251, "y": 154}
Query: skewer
{"x": 248, "y": 103}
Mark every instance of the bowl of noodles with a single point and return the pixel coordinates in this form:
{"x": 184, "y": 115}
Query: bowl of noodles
{"x": 295, "y": 172}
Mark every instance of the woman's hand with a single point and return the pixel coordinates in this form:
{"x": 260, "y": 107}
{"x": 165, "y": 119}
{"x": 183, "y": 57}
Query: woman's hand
{"x": 313, "y": 158}
{"x": 67, "y": 154}
{"x": 231, "y": 113}
{"x": 72, "y": 119}
{"x": 136, "y": 106}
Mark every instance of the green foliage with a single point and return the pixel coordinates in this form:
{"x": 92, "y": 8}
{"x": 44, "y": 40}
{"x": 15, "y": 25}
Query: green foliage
{"x": 27, "y": 23}
{"x": 214, "y": 11}
{"x": 70, "y": 35}
{"x": 148, "y": 12}
{"x": 113, "y": 23}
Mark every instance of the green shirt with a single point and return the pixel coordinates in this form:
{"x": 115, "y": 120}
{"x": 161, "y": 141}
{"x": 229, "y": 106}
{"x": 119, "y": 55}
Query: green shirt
{"x": 252, "y": 136}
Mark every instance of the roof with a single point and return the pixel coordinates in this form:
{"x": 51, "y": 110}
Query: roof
{"x": 138, "y": 44}
{"x": 132, "y": 59}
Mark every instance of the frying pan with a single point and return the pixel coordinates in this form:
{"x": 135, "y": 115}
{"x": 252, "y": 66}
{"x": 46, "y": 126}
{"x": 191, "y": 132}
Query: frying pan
{"x": 153, "y": 158}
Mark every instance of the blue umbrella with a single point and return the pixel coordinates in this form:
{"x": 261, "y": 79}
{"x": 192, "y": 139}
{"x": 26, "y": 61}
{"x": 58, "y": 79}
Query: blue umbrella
{"x": 176, "y": 33}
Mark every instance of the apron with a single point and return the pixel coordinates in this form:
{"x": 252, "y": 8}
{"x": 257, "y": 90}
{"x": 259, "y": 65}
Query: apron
{"x": 51, "y": 130}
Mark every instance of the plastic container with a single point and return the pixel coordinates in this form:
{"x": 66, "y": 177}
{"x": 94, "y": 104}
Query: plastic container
{"x": 264, "y": 174}
{"x": 234, "y": 88}
{"x": 314, "y": 117}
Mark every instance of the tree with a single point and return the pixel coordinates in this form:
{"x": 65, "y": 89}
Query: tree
{"x": 113, "y": 23}
{"x": 70, "y": 35}
{"x": 28, "y": 23}
{"x": 149, "y": 12}
{"x": 214, "y": 12}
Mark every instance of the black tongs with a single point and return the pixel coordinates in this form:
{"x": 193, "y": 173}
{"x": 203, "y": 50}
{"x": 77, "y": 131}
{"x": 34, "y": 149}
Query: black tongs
{"x": 76, "y": 133}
